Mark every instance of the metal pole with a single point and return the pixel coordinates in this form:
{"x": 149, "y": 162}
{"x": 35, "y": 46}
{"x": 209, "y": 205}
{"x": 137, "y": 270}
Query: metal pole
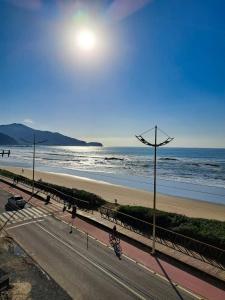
{"x": 154, "y": 195}
{"x": 144, "y": 141}
{"x": 33, "y": 164}
{"x": 87, "y": 240}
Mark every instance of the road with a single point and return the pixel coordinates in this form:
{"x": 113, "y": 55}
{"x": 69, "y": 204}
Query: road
{"x": 37, "y": 211}
{"x": 3, "y": 200}
{"x": 93, "y": 273}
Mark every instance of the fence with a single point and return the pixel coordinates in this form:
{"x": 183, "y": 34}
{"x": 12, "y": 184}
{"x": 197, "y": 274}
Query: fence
{"x": 192, "y": 247}
{"x": 54, "y": 193}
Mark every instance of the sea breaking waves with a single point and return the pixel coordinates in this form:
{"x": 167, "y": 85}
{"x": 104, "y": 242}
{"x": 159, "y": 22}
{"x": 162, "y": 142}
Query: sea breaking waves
{"x": 200, "y": 170}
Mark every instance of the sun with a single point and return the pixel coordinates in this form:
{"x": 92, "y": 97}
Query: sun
{"x": 86, "y": 39}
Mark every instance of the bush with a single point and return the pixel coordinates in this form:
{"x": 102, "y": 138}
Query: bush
{"x": 208, "y": 231}
{"x": 83, "y": 199}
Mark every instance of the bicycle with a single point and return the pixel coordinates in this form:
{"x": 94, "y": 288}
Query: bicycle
{"x": 115, "y": 243}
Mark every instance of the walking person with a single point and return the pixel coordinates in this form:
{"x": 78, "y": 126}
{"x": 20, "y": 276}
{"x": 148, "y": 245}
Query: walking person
{"x": 114, "y": 232}
{"x": 74, "y": 213}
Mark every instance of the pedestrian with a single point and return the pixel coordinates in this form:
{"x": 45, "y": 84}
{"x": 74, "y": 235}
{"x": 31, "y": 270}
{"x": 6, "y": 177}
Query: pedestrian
{"x": 114, "y": 232}
{"x": 64, "y": 206}
{"x": 22, "y": 170}
{"x": 74, "y": 212}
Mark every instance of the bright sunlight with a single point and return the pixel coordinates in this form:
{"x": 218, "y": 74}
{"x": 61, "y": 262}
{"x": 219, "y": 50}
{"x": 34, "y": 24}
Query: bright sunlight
{"x": 86, "y": 39}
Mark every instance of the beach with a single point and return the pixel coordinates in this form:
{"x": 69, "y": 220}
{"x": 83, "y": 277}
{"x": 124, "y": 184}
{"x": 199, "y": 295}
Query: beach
{"x": 129, "y": 196}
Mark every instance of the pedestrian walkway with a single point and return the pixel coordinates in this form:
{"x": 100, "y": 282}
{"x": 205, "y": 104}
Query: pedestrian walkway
{"x": 12, "y": 217}
{"x": 175, "y": 274}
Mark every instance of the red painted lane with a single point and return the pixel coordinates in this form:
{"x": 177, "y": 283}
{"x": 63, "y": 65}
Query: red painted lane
{"x": 172, "y": 273}
{"x": 169, "y": 271}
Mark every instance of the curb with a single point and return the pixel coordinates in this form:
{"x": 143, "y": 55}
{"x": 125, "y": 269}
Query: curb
{"x": 219, "y": 283}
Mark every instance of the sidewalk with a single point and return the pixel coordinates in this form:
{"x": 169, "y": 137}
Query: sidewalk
{"x": 162, "y": 265}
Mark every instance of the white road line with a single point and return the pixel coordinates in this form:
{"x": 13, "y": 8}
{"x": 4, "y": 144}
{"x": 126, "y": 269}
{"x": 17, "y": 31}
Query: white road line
{"x": 19, "y": 215}
{"x": 12, "y": 218}
{"x": 28, "y": 213}
{"x": 140, "y": 264}
{"x": 43, "y": 208}
{"x": 13, "y": 215}
{"x": 24, "y": 224}
{"x": 191, "y": 293}
{"x": 94, "y": 264}
{"x": 39, "y": 208}
{"x": 38, "y": 211}
{"x": 31, "y": 211}
{"x": 3, "y": 218}
{"x": 24, "y": 215}
{"x": 7, "y": 215}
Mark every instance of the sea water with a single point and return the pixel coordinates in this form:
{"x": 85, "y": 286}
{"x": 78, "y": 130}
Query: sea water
{"x": 184, "y": 172}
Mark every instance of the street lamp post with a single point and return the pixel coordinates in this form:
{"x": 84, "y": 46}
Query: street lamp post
{"x": 155, "y": 145}
{"x": 34, "y": 144}
{"x": 34, "y": 152}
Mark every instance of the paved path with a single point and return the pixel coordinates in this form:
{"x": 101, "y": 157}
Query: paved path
{"x": 93, "y": 273}
{"x": 156, "y": 265}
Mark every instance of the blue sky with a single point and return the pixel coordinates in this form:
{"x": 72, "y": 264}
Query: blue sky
{"x": 160, "y": 62}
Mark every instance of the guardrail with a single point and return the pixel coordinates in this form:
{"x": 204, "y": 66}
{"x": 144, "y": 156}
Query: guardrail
{"x": 61, "y": 197}
{"x": 54, "y": 193}
{"x": 192, "y": 247}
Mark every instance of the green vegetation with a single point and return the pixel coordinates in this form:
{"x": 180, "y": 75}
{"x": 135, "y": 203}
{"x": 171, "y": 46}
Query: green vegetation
{"x": 82, "y": 198}
{"x": 208, "y": 231}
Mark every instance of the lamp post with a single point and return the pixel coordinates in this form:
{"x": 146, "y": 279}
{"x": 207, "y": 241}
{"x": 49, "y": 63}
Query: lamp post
{"x": 34, "y": 149}
{"x": 155, "y": 145}
{"x": 34, "y": 145}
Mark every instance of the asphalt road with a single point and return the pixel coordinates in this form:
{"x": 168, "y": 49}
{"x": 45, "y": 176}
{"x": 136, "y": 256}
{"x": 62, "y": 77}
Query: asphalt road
{"x": 93, "y": 273}
{"x": 3, "y": 200}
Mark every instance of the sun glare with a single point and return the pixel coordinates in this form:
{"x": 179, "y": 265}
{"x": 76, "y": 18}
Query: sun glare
{"x": 86, "y": 39}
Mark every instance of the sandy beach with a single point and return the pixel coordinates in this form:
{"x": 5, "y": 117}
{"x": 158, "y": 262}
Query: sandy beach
{"x": 124, "y": 195}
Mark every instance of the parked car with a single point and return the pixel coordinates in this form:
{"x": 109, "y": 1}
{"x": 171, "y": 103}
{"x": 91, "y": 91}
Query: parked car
{"x": 15, "y": 203}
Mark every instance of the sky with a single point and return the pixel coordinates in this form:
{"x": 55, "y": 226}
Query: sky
{"x": 156, "y": 62}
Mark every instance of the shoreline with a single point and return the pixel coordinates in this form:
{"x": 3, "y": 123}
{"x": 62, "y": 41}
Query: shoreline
{"x": 175, "y": 188}
{"x": 130, "y": 196}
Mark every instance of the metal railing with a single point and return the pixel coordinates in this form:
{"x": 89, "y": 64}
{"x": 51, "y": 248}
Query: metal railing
{"x": 179, "y": 242}
{"x": 189, "y": 246}
{"x": 52, "y": 192}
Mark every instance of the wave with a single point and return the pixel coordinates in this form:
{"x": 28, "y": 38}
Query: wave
{"x": 212, "y": 165}
{"x": 196, "y": 165}
{"x": 169, "y": 158}
{"x": 114, "y": 158}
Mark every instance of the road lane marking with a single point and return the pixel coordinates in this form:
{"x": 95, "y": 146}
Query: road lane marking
{"x": 139, "y": 264}
{"x": 40, "y": 211}
{"x": 13, "y": 217}
{"x": 94, "y": 264}
{"x": 33, "y": 213}
{"x": 24, "y": 224}
{"x": 23, "y": 215}
{"x": 3, "y": 218}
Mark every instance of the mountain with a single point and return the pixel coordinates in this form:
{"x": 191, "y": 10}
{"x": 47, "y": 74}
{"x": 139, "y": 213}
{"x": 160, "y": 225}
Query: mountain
{"x": 23, "y": 135}
{"x": 7, "y": 140}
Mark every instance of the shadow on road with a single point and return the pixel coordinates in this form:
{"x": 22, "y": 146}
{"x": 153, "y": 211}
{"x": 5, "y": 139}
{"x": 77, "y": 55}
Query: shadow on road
{"x": 168, "y": 278}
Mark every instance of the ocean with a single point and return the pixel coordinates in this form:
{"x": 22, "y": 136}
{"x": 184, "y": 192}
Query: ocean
{"x": 184, "y": 172}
